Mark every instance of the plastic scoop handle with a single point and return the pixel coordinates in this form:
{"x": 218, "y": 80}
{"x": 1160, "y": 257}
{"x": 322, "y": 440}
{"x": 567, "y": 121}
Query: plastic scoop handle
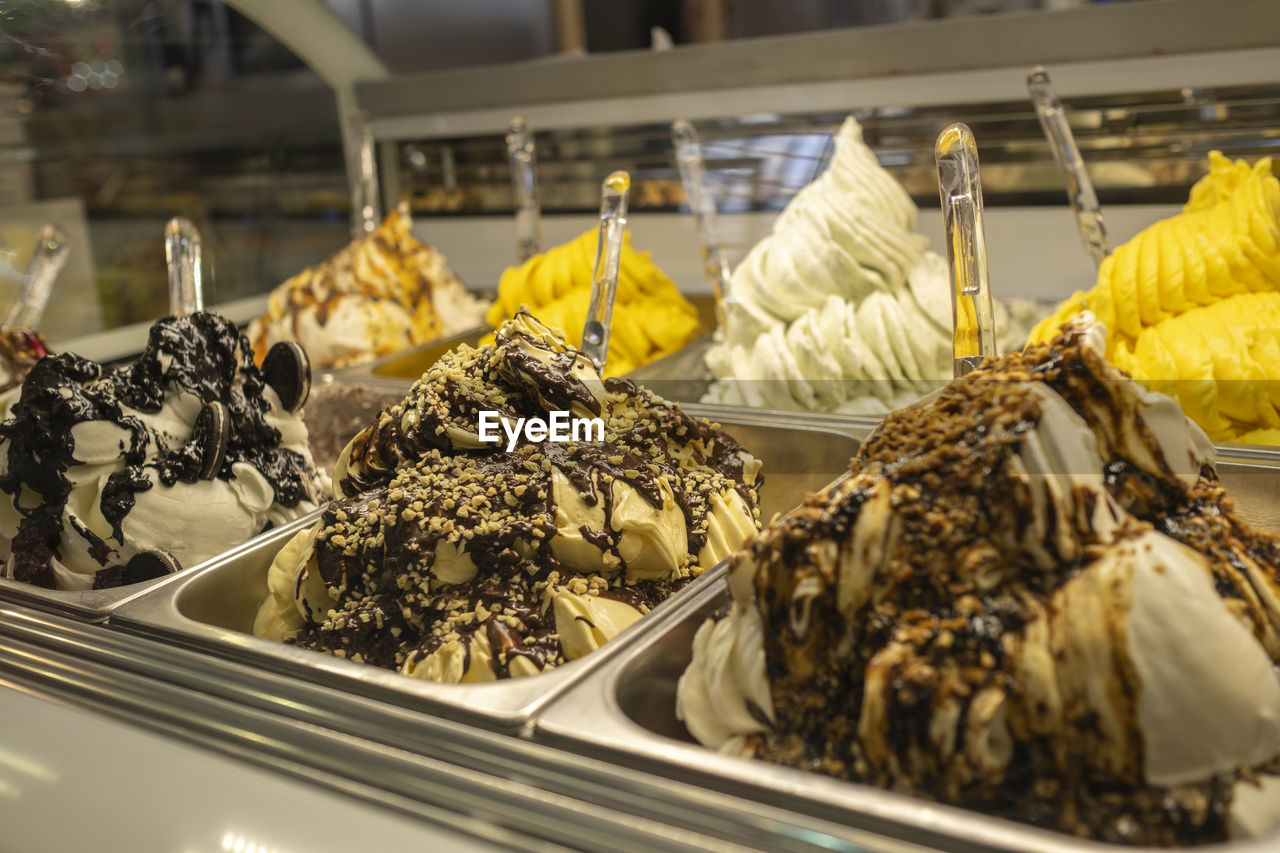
{"x": 703, "y": 207}
{"x": 47, "y": 260}
{"x": 365, "y": 197}
{"x": 1084, "y": 201}
{"x": 182, "y": 252}
{"x": 604, "y": 288}
{"x": 960, "y": 189}
{"x": 522, "y": 154}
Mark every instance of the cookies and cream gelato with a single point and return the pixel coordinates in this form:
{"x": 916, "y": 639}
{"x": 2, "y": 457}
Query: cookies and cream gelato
{"x": 1031, "y": 597}
{"x": 111, "y": 476}
{"x": 450, "y": 558}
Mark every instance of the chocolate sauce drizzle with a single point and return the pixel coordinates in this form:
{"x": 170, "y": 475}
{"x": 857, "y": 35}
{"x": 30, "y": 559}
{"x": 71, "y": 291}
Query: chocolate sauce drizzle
{"x": 932, "y": 635}
{"x": 412, "y": 487}
{"x": 202, "y": 354}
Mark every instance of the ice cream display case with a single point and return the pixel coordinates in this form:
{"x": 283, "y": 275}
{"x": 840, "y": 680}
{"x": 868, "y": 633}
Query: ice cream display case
{"x": 1015, "y": 604}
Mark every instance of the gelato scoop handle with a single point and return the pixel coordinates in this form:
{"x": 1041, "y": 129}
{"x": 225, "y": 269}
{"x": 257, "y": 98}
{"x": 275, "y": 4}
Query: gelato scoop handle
{"x": 1084, "y": 201}
{"x": 363, "y": 169}
{"x": 182, "y": 252}
{"x": 47, "y": 260}
{"x": 702, "y": 205}
{"x": 524, "y": 181}
{"x": 960, "y": 189}
{"x": 613, "y": 224}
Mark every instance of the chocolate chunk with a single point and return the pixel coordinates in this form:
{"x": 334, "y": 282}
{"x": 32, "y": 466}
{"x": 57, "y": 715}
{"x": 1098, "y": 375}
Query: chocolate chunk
{"x": 288, "y": 371}
{"x": 211, "y": 433}
{"x": 148, "y": 565}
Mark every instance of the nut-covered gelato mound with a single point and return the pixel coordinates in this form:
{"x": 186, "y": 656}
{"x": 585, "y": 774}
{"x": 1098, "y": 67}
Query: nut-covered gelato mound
{"x": 111, "y": 476}
{"x": 1031, "y": 597}
{"x": 450, "y": 558}
{"x": 382, "y": 293}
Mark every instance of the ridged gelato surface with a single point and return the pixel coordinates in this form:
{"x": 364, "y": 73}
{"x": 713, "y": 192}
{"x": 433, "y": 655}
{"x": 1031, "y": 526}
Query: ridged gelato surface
{"x": 1031, "y": 597}
{"x": 841, "y": 307}
{"x": 452, "y": 559}
{"x": 1191, "y": 303}
{"x": 651, "y": 318}
{"x": 187, "y": 451}
{"x": 382, "y": 293}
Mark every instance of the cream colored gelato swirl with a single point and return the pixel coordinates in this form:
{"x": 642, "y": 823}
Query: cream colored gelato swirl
{"x": 840, "y": 308}
{"x": 1032, "y": 598}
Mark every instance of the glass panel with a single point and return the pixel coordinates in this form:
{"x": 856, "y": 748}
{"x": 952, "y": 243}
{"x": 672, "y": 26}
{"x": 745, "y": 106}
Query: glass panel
{"x": 117, "y": 114}
{"x": 1142, "y": 148}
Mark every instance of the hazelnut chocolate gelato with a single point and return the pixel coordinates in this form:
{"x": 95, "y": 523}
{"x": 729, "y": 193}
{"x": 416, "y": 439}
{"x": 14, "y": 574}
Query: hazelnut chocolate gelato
{"x": 111, "y": 476}
{"x": 452, "y": 559}
{"x": 1030, "y": 597}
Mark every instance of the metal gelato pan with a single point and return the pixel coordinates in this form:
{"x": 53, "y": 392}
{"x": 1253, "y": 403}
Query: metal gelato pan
{"x": 94, "y": 605}
{"x": 625, "y": 713}
{"x": 412, "y": 363}
{"x": 340, "y": 413}
{"x": 213, "y": 608}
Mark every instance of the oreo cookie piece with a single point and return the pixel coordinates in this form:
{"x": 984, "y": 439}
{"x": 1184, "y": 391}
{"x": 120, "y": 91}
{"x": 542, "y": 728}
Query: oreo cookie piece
{"x": 211, "y": 433}
{"x": 288, "y": 371}
{"x": 149, "y": 565}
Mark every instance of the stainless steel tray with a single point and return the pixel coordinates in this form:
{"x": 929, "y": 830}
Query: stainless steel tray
{"x": 683, "y": 377}
{"x": 213, "y": 608}
{"x": 94, "y": 605}
{"x": 625, "y": 713}
{"x": 412, "y": 363}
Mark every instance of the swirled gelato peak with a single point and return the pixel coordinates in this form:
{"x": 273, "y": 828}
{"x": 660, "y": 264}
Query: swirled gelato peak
{"x": 450, "y": 558}
{"x": 1192, "y": 303}
{"x": 110, "y": 476}
{"x": 382, "y": 293}
{"x": 1031, "y": 597}
{"x": 841, "y": 307}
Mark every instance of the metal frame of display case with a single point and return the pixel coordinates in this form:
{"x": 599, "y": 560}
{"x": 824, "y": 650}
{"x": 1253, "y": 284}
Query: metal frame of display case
{"x": 1160, "y": 44}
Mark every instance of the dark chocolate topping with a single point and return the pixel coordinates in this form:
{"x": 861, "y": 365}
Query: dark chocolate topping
{"x": 409, "y": 491}
{"x": 932, "y": 635}
{"x": 202, "y": 354}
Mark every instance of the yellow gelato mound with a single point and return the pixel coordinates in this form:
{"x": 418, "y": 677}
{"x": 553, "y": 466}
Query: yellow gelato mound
{"x": 1192, "y": 303}
{"x": 651, "y": 318}
{"x": 1221, "y": 362}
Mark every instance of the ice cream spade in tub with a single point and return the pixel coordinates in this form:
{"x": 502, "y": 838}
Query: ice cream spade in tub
{"x": 960, "y": 189}
{"x": 1084, "y": 201}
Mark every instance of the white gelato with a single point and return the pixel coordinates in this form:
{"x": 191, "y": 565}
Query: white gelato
{"x": 840, "y": 308}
